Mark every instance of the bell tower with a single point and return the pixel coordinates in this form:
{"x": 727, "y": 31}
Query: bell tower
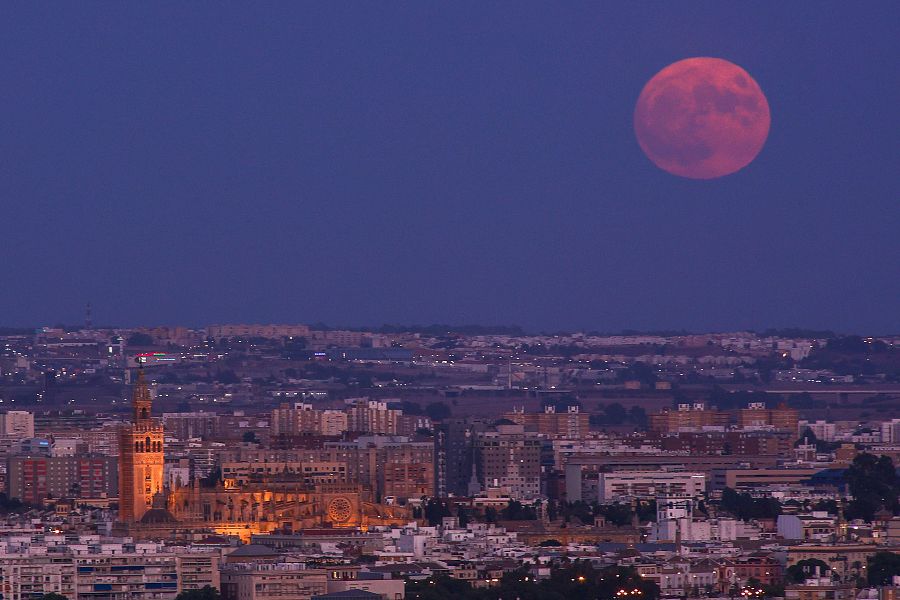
{"x": 141, "y": 458}
{"x": 141, "y": 401}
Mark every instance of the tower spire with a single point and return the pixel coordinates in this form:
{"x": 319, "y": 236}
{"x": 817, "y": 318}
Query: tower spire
{"x": 474, "y": 486}
{"x": 141, "y": 400}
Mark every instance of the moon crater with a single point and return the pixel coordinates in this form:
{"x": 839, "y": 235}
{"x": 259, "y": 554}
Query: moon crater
{"x": 702, "y": 118}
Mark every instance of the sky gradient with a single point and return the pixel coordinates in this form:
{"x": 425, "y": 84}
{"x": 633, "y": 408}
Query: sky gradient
{"x": 464, "y": 162}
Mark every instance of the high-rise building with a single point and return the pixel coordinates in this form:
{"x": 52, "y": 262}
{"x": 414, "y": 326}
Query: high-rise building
{"x": 298, "y": 419}
{"x": 188, "y": 425}
{"x": 392, "y": 466}
{"x": 509, "y": 457}
{"x": 334, "y": 422}
{"x": 687, "y": 416}
{"x": 265, "y": 581}
{"x": 26, "y": 577}
{"x": 890, "y": 432}
{"x": 82, "y": 569}
{"x": 372, "y": 416}
{"x": 571, "y": 424}
{"x": 454, "y": 453}
{"x": 34, "y": 478}
{"x": 17, "y": 423}
{"x": 407, "y": 470}
{"x": 757, "y": 415}
{"x": 141, "y": 461}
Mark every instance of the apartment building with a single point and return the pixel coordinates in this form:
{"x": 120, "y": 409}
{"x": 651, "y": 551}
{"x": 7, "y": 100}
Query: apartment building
{"x": 272, "y": 581}
{"x": 510, "y": 457}
{"x": 34, "y": 478}
{"x": 622, "y": 485}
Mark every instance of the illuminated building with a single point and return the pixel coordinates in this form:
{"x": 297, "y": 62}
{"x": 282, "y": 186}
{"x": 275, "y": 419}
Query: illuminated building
{"x": 572, "y": 423}
{"x": 140, "y": 457}
{"x": 301, "y": 418}
{"x": 25, "y": 577}
{"x": 649, "y": 484}
{"x": 757, "y": 415}
{"x": 272, "y": 581}
{"x": 17, "y": 423}
{"x": 687, "y": 416}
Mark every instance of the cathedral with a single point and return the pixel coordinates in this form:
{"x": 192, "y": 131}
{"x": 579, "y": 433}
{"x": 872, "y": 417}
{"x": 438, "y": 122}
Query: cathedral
{"x": 149, "y": 509}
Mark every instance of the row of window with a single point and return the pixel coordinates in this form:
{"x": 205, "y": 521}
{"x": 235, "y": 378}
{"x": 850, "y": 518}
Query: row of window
{"x": 150, "y": 446}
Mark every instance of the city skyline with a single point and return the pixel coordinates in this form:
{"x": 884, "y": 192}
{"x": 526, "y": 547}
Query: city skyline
{"x": 464, "y": 328}
{"x": 449, "y": 301}
{"x": 259, "y": 462}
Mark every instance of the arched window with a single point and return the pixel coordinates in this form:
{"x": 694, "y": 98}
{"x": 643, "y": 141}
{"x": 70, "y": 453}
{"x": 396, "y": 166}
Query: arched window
{"x": 141, "y": 446}
{"x": 136, "y": 447}
{"x": 143, "y": 413}
{"x": 148, "y": 444}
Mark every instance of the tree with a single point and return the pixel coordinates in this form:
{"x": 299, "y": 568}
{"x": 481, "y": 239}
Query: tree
{"x": 746, "y": 507}
{"x": 410, "y": 408}
{"x": 207, "y": 592}
{"x": 250, "y": 437}
{"x": 582, "y": 580}
{"x": 169, "y": 377}
{"x": 490, "y": 514}
{"x": 562, "y": 403}
{"x": 227, "y": 376}
{"x": 882, "y": 567}
{"x": 516, "y": 511}
{"x": 438, "y": 588}
{"x": 8, "y": 505}
{"x": 646, "y": 511}
{"x": 550, "y": 544}
{"x": 616, "y": 513}
{"x": 53, "y": 596}
{"x": 579, "y": 509}
{"x": 212, "y": 479}
{"x": 809, "y": 437}
{"x": 638, "y": 416}
{"x": 463, "y": 515}
{"x": 613, "y": 414}
{"x": 806, "y": 569}
{"x": 435, "y": 511}
{"x": 139, "y": 339}
{"x": 575, "y": 581}
{"x": 616, "y": 414}
{"x": 438, "y": 411}
{"x": 873, "y": 484}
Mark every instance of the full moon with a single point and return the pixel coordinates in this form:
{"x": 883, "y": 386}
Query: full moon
{"x": 701, "y": 118}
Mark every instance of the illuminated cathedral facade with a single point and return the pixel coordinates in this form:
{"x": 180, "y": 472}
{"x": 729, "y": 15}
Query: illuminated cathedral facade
{"x": 149, "y": 509}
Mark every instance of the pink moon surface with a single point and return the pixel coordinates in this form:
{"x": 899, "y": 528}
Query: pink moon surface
{"x": 702, "y": 118}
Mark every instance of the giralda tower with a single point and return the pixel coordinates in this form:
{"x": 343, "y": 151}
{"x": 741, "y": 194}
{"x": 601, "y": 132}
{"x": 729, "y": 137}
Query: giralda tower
{"x": 140, "y": 456}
